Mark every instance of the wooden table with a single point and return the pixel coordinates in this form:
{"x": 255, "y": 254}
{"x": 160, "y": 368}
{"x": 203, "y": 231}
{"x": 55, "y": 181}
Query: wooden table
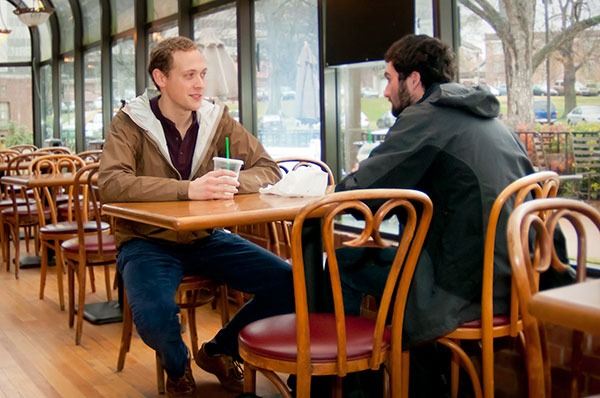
{"x": 39, "y": 180}
{"x": 242, "y": 209}
{"x": 575, "y": 306}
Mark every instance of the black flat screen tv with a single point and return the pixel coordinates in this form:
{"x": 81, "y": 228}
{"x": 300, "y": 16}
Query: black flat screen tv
{"x": 362, "y": 30}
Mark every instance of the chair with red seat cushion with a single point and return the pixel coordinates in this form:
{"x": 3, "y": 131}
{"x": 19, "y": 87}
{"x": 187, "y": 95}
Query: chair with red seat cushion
{"x": 53, "y": 232}
{"x": 18, "y": 211}
{"x": 540, "y": 185}
{"x": 334, "y": 344}
{"x": 86, "y": 250}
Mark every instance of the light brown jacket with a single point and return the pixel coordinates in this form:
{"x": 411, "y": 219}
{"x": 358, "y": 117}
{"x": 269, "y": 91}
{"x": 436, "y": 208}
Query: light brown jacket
{"x": 136, "y": 166}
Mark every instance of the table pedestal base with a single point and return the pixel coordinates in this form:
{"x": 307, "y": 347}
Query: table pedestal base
{"x": 102, "y": 313}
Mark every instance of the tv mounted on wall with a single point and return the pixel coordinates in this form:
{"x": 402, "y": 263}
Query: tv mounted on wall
{"x": 362, "y": 30}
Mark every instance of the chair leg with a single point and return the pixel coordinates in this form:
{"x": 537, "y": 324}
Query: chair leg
{"x": 80, "y": 303}
{"x": 71, "y": 292}
{"x": 107, "y": 283}
{"x": 17, "y": 243}
{"x": 249, "y": 379}
{"x": 466, "y": 362}
{"x": 160, "y": 376}
{"x": 405, "y": 360}
{"x": 43, "y": 268}
{"x": 193, "y": 331}
{"x": 126, "y": 333}
{"x": 92, "y": 279}
{"x": 224, "y": 304}
{"x": 454, "y": 372}
{"x": 337, "y": 387}
{"x": 6, "y": 245}
{"x": 59, "y": 264}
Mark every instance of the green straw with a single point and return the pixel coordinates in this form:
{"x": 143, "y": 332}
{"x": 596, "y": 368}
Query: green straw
{"x": 227, "y": 150}
{"x": 370, "y": 137}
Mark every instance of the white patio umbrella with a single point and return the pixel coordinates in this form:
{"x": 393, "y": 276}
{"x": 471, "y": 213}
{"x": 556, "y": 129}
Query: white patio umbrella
{"x": 221, "y": 78}
{"x": 307, "y": 86}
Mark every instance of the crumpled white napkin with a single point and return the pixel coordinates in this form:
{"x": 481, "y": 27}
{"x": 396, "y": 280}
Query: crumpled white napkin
{"x": 304, "y": 181}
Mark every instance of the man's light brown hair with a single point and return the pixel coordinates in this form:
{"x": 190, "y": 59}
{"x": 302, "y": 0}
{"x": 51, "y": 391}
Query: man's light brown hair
{"x": 161, "y": 56}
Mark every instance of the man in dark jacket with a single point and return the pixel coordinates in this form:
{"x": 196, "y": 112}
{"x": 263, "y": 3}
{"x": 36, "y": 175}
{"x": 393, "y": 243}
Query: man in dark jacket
{"x": 448, "y": 143}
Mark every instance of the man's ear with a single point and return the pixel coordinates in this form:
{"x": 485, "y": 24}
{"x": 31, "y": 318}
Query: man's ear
{"x": 414, "y": 84}
{"x": 159, "y": 77}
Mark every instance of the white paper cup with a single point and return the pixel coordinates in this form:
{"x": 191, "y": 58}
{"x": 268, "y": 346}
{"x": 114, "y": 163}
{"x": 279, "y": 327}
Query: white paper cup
{"x": 234, "y": 165}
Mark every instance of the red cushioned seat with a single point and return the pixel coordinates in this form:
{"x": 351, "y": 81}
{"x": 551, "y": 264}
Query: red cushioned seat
{"x": 67, "y": 227}
{"x": 20, "y": 201}
{"x": 91, "y": 244}
{"x": 498, "y": 320}
{"x": 24, "y": 211}
{"x": 275, "y": 337}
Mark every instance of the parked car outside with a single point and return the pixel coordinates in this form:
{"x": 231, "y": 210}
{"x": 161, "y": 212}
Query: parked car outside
{"x": 270, "y": 123}
{"x": 584, "y": 113}
{"x": 287, "y": 93}
{"x": 364, "y": 121}
{"x": 539, "y": 89}
{"x": 502, "y": 89}
{"x": 386, "y": 120}
{"x": 591, "y": 89}
{"x": 541, "y": 111}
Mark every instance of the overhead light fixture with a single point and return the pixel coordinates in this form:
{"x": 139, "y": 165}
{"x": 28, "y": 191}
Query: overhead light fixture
{"x": 33, "y": 16}
{"x": 4, "y": 31}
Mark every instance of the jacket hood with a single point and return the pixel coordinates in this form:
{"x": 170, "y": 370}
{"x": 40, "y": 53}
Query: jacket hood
{"x": 209, "y": 114}
{"x": 475, "y": 100}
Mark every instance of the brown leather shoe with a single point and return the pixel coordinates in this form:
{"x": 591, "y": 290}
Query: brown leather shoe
{"x": 229, "y": 371}
{"x": 184, "y": 387}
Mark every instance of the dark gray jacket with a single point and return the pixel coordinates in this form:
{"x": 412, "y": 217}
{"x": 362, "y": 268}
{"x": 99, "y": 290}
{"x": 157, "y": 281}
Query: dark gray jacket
{"x": 451, "y": 146}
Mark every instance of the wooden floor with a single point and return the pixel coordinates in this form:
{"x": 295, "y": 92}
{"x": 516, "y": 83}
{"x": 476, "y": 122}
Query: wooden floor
{"x": 39, "y": 358}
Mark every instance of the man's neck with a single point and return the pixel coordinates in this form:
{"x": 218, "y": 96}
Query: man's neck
{"x": 181, "y": 117}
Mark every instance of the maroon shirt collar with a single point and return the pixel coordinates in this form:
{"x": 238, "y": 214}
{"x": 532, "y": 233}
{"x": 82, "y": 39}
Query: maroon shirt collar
{"x": 181, "y": 151}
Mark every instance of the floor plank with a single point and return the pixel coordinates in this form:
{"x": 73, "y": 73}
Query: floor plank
{"x": 39, "y": 358}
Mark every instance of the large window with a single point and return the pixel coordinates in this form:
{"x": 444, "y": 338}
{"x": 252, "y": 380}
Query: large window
{"x": 216, "y": 35}
{"x": 121, "y": 15}
{"x": 45, "y": 92}
{"x": 90, "y": 12}
{"x": 287, "y": 78}
{"x": 158, "y": 9}
{"x": 67, "y": 103}
{"x": 15, "y": 93}
{"x": 93, "y": 96}
{"x": 65, "y": 23}
{"x": 123, "y": 72}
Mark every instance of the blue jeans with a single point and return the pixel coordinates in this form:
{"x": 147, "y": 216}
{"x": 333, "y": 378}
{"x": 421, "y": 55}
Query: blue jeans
{"x": 152, "y": 272}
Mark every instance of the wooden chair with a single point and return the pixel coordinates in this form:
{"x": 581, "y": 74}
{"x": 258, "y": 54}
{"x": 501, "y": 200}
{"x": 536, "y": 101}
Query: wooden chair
{"x": 20, "y": 213}
{"x": 96, "y": 249}
{"x": 194, "y": 291}
{"x": 92, "y": 156}
{"x": 542, "y": 216}
{"x": 23, "y": 148}
{"x": 340, "y": 344}
{"x": 540, "y": 185}
{"x": 56, "y": 150}
{"x": 538, "y": 153}
{"x": 53, "y": 232}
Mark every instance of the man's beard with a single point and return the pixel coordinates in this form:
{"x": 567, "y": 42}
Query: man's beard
{"x": 403, "y": 99}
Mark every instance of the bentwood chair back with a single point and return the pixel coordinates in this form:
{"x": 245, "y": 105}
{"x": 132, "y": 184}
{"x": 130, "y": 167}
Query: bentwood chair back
{"x": 542, "y": 217}
{"x": 55, "y": 150}
{"x": 91, "y": 156}
{"x": 23, "y": 148}
{"x": 542, "y": 184}
{"x": 309, "y": 344}
{"x": 87, "y": 249}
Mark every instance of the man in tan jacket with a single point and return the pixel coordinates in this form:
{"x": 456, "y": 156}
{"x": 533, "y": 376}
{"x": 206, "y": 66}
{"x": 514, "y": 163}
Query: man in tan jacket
{"x": 161, "y": 148}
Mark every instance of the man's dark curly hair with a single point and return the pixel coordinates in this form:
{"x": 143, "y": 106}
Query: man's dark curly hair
{"x": 432, "y": 58}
